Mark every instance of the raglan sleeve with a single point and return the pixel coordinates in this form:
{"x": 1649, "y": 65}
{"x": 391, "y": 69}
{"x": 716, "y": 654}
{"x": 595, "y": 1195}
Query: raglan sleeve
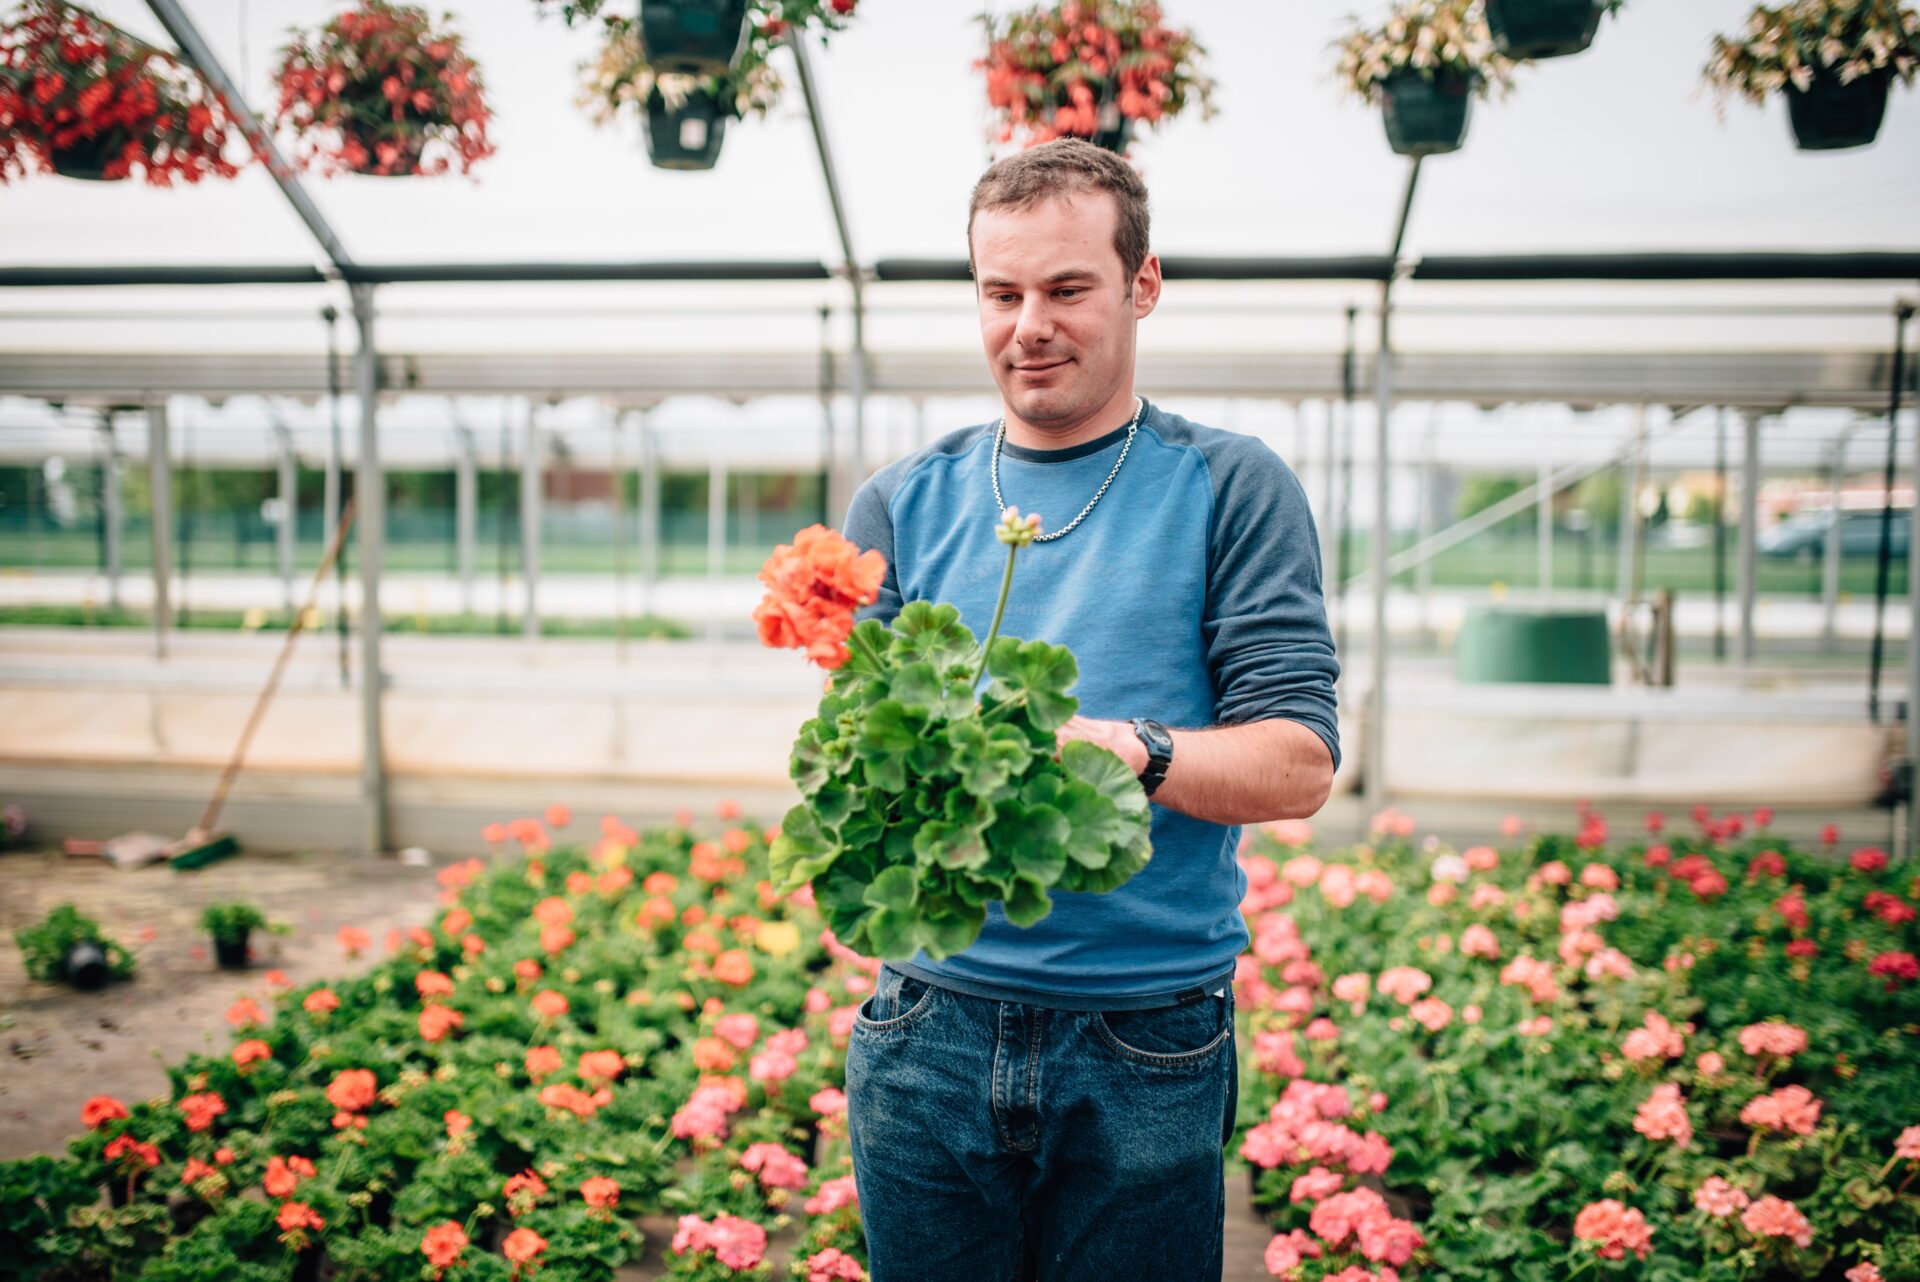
{"x": 1268, "y": 646}
{"x": 869, "y": 526}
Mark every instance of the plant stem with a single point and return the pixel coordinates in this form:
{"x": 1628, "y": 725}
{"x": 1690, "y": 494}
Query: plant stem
{"x": 1006, "y": 583}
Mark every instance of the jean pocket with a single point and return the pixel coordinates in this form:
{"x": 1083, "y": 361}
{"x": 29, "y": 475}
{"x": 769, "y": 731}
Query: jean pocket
{"x": 897, "y": 1000}
{"x": 1172, "y": 1036}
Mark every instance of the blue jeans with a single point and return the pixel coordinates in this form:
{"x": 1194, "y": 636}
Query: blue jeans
{"x": 1004, "y": 1142}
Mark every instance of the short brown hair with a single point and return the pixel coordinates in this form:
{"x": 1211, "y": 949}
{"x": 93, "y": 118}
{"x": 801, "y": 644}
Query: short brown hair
{"x": 1064, "y": 167}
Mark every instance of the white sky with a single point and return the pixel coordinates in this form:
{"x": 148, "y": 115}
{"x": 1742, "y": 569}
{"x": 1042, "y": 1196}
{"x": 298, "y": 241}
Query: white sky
{"x": 1616, "y": 149}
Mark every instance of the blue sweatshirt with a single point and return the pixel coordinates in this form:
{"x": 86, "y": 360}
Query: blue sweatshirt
{"x": 1190, "y": 594}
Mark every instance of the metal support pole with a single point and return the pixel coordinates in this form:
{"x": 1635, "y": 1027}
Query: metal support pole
{"x": 289, "y": 512}
{"x": 1830, "y": 553}
{"x": 617, "y": 474}
{"x": 1903, "y": 310}
{"x": 1631, "y": 477}
{"x": 852, "y": 462}
{"x": 160, "y": 490}
{"x": 370, "y": 501}
{"x": 649, "y": 512}
{"x": 111, "y": 513}
{"x": 1429, "y": 477}
{"x": 1349, "y": 432}
{"x": 532, "y": 467}
{"x": 1902, "y": 314}
{"x": 466, "y": 512}
{"x": 1749, "y": 531}
{"x": 1543, "y": 525}
{"x": 1720, "y": 535}
{"x": 1329, "y": 504}
{"x": 330, "y": 498}
{"x": 716, "y": 525}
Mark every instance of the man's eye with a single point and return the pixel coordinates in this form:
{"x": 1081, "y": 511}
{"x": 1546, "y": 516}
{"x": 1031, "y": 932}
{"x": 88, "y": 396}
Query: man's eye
{"x": 1071, "y": 289}
{"x": 1001, "y": 298}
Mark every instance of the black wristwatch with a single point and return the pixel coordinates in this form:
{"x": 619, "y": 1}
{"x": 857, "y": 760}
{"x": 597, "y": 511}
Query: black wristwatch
{"x": 1159, "y": 751}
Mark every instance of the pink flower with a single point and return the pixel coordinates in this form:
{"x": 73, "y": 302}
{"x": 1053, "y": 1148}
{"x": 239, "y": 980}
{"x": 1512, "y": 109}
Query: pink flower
{"x": 1600, "y": 877}
{"x": 739, "y": 1244}
{"x": 828, "y": 1100}
{"x": 1899, "y": 968}
{"x": 1663, "y": 1116}
{"x": 1775, "y": 1217}
{"x": 740, "y": 1030}
{"x": 1481, "y": 858}
{"x": 1338, "y": 885}
{"x": 1273, "y": 1053}
{"x": 1431, "y": 1014}
{"x": 1865, "y": 1271}
{"x": 1791, "y": 1108}
{"x": 1657, "y": 1039}
{"x": 1710, "y": 1063}
{"x": 1340, "y": 1216}
{"x": 833, "y": 1195}
{"x": 1478, "y": 941}
{"x": 1773, "y": 1038}
{"x": 1534, "y": 976}
{"x": 1614, "y": 1229}
{"x": 1321, "y": 1030}
{"x": 1907, "y": 1147}
{"x": 1718, "y": 1198}
{"x": 1553, "y": 873}
{"x": 1287, "y": 1251}
{"x": 1351, "y": 988}
{"x": 772, "y": 1066}
{"x": 1868, "y": 859}
{"x": 1315, "y": 1185}
{"x": 1539, "y": 1026}
{"x": 778, "y": 1168}
{"x": 834, "y": 1265}
{"x": 1404, "y": 983}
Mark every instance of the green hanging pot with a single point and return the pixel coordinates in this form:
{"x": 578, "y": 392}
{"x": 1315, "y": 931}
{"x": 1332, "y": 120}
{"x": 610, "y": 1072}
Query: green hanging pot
{"x": 1543, "y": 28}
{"x": 687, "y": 136}
{"x": 1830, "y": 116}
{"x": 1427, "y": 117}
{"x": 693, "y": 37}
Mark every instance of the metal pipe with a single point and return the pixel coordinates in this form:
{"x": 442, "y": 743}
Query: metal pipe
{"x": 532, "y": 469}
{"x": 1749, "y": 532}
{"x": 197, "y": 52}
{"x": 1543, "y": 525}
{"x": 716, "y": 523}
{"x": 1903, "y": 311}
{"x": 112, "y": 515}
{"x": 370, "y": 501}
{"x": 330, "y": 495}
{"x": 1720, "y": 535}
{"x": 1627, "y": 588}
{"x": 852, "y": 463}
{"x": 466, "y": 512}
{"x": 1830, "y": 552}
{"x": 160, "y": 493}
{"x": 289, "y": 511}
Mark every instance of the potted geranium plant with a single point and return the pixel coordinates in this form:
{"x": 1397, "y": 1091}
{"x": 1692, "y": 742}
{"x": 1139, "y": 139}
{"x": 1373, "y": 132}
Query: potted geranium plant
{"x": 687, "y": 96}
{"x": 378, "y": 90}
{"x": 230, "y": 924}
{"x": 69, "y": 946}
{"x": 923, "y": 801}
{"x": 1424, "y": 66}
{"x": 82, "y": 98}
{"x": 1833, "y": 59}
{"x": 1093, "y": 69}
{"x": 1545, "y": 28}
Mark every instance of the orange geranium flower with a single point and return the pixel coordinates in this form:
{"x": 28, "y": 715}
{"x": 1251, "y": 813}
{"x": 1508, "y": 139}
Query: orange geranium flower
{"x": 522, "y": 1245}
{"x": 443, "y": 1243}
{"x": 549, "y": 1004}
{"x": 437, "y": 1021}
{"x": 100, "y": 1110}
{"x": 815, "y": 585}
{"x": 542, "y": 1060}
{"x": 321, "y": 1001}
{"x": 251, "y": 1051}
{"x": 599, "y": 1191}
{"x": 298, "y": 1215}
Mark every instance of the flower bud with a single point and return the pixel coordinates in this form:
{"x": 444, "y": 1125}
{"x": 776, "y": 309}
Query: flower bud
{"x": 1016, "y": 530}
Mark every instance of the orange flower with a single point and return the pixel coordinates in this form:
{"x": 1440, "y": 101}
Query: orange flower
{"x": 527, "y": 968}
{"x": 353, "y": 940}
{"x": 711, "y": 1055}
{"x": 298, "y": 1215}
{"x": 197, "y": 1170}
{"x": 200, "y": 1110}
{"x": 654, "y": 912}
{"x": 522, "y": 1245}
{"x": 245, "y": 1011}
{"x": 556, "y": 939}
{"x": 602, "y": 1065}
{"x": 458, "y": 1123}
{"x": 443, "y": 1243}
{"x": 570, "y": 1099}
{"x": 431, "y": 983}
{"x": 659, "y": 883}
{"x": 816, "y": 583}
{"x": 549, "y": 1004}
{"x": 542, "y": 1060}
{"x": 553, "y": 911}
{"x": 558, "y": 816}
{"x": 600, "y": 1191}
{"x": 251, "y": 1051}
{"x": 437, "y": 1021}
{"x": 352, "y": 1090}
{"x": 732, "y": 967}
{"x": 284, "y": 1174}
{"x": 278, "y": 978}
{"x": 100, "y": 1110}
{"x": 321, "y": 1001}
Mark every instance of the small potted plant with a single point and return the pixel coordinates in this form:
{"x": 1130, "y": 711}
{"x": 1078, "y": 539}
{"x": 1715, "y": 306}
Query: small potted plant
{"x": 1529, "y": 29}
{"x": 1423, "y": 66}
{"x": 230, "y": 924}
{"x": 67, "y": 946}
{"x": 688, "y": 100}
{"x": 378, "y": 90}
{"x": 1833, "y": 59}
{"x": 81, "y": 98}
{"x": 1093, "y": 69}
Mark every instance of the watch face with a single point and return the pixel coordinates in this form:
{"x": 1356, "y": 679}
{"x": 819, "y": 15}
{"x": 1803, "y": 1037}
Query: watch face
{"x": 1157, "y": 735}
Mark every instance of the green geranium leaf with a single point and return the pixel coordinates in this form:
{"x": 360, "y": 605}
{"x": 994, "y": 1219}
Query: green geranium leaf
{"x": 800, "y": 853}
{"x": 1109, "y": 776}
{"x": 1093, "y": 825}
{"x": 893, "y": 934}
{"x": 1027, "y": 903}
{"x": 1126, "y": 859}
{"x": 1043, "y": 673}
{"x": 811, "y": 764}
{"x": 897, "y": 888}
{"x": 987, "y": 757}
{"x": 932, "y": 634}
{"x": 950, "y": 845}
{"x": 944, "y": 936}
{"x": 1034, "y": 839}
{"x": 918, "y": 686}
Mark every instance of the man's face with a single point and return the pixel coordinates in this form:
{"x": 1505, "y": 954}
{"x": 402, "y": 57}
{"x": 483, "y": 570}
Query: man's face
{"x": 1056, "y": 311}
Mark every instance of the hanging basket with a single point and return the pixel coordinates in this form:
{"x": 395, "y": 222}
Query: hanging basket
{"x": 1115, "y": 131}
{"x": 1543, "y": 28}
{"x": 693, "y": 37}
{"x": 1426, "y": 117}
{"x": 410, "y": 152}
{"x": 85, "y": 159}
{"x": 687, "y": 136}
{"x": 1830, "y": 116}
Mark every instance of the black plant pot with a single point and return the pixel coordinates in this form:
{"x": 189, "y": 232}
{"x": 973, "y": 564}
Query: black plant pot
{"x": 1426, "y": 117}
{"x": 693, "y": 37}
{"x": 1830, "y": 116}
{"x": 1543, "y": 28}
{"x": 119, "y": 1190}
{"x": 231, "y": 954}
{"x": 307, "y": 1264}
{"x": 86, "y": 966}
{"x": 1115, "y": 138}
{"x": 85, "y": 159}
{"x": 686, "y": 137}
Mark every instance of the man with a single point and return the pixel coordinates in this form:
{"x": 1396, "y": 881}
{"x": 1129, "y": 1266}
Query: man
{"x": 1052, "y": 1102}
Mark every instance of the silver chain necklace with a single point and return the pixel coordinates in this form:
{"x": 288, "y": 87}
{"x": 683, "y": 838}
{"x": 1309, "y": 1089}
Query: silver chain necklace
{"x": 1000, "y": 504}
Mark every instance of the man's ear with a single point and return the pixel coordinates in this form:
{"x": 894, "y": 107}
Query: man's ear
{"x": 1146, "y": 287}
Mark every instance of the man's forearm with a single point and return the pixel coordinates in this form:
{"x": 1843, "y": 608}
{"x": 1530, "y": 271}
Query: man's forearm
{"x": 1244, "y": 774}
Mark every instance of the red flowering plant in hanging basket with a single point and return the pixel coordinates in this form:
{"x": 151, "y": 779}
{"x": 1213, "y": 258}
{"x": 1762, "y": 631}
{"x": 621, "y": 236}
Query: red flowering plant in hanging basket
{"x": 378, "y": 91}
{"x": 80, "y": 97}
{"x": 1090, "y": 69}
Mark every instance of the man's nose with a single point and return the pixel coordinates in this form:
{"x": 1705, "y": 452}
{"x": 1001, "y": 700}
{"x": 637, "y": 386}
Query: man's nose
{"x": 1035, "y": 324}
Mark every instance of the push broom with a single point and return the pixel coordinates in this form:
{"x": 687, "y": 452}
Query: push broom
{"x": 202, "y": 845}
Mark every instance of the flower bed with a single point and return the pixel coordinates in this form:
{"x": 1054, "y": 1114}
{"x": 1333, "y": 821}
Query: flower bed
{"x": 1685, "y": 1057}
{"x": 1679, "y": 1057}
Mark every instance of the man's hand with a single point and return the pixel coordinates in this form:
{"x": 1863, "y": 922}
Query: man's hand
{"x": 1115, "y": 736}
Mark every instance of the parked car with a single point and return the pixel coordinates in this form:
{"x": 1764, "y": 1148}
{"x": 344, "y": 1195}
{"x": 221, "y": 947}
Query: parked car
{"x": 1803, "y": 536}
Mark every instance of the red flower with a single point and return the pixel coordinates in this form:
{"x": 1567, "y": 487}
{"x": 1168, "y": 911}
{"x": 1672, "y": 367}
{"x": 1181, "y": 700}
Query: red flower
{"x": 522, "y": 1245}
{"x": 200, "y": 1110}
{"x": 101, "y": 1109}
{"x": 1869, "y": 859}
{"x": 1899, "y": 968}
{"x": 815, "y": 585}
{"x": 443, "y": 1243}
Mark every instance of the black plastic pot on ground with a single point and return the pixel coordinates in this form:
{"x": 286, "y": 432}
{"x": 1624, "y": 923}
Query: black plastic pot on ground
{"x": 231, "y": 954}
{"x": 693, "y": 37}
{"x": 1427, "y": 117}
{"x": 1830, "y": 116}
{"x": 85, "y": 965}
{"x": 687, "y": 136}
{"x": 1543, "y": 28}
